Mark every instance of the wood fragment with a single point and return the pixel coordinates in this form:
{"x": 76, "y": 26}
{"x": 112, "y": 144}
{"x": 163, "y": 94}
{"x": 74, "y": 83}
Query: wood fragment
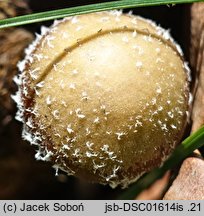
{"x": 189, "y": 183}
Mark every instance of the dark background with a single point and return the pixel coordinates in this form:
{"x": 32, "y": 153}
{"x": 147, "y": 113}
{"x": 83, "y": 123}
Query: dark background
{"x": 21, "y": 176}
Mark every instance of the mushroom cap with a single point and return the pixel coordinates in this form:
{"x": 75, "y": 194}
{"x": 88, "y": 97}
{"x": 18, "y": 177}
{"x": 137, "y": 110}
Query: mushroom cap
{"x": 104, "y": 96}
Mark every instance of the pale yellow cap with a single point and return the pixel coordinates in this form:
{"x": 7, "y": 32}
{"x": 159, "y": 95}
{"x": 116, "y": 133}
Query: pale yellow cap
{"x": 105, "y": 96}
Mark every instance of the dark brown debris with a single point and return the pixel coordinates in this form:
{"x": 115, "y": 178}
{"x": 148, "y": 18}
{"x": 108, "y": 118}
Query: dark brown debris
{"x": 12, "y": 8}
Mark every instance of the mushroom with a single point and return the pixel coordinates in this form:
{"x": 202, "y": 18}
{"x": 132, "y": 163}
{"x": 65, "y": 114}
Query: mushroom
{"x": 104, "y": 96}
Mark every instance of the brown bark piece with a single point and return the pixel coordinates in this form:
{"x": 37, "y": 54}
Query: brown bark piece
{"x": 189, "y": 183}
{"x": 197, "y": 62}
